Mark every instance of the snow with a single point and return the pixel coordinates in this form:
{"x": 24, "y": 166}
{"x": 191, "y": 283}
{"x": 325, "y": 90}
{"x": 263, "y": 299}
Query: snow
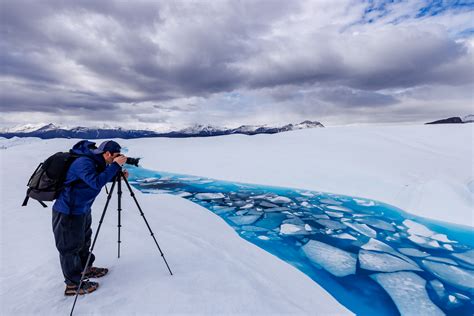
{"x": 423, "y": 169}
{"x": 215, "y": 271}
{"x": 408, "y": 292}
{"x": 336, "y": 261}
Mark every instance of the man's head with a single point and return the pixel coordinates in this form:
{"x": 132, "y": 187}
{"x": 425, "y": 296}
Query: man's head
{"x": 109, "y": 150}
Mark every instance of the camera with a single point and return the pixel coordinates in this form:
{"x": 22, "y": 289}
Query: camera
{"x": 132, "y": 161}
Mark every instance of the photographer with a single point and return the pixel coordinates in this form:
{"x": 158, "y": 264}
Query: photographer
{"x": 72, "y": 210}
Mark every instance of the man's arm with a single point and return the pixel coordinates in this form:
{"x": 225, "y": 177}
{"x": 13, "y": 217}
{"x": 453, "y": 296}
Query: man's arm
{"x": 85, "y": 170}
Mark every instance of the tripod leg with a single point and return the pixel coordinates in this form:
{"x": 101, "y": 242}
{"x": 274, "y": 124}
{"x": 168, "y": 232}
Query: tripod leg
{"x": 93, "y": 244}
{"x": 146, "y": 222}
{"x": 119, "y": 209}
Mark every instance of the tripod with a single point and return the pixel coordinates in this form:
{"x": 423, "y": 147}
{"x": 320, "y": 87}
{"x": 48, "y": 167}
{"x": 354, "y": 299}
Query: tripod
{"x": 117, "y": 180}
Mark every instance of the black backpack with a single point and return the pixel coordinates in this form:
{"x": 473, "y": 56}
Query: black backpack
{"x": 47, "y": 180}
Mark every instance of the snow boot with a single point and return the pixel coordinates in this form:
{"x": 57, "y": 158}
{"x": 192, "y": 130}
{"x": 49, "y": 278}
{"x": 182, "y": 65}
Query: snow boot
{"x": 94, "y": 272}
{"x": 86, "y": 287}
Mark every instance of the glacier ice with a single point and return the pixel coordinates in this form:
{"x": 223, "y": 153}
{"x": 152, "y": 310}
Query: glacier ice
{"x": 424, "y": 242}
{"x": 334, "y": 214}
{"x": 467, "y": 256}
{"x": 442, "y": 238}
{"x": 330, "y": 201}
{"x": 338, "y": 208}
{"x": 336, "y": 261}
{"x": 377, "y": 245}
{"x": 244, "y": 220}
{"x": 364, "y": 202}
{"x": 267, "y": 204}
{"x": 377, "y": 223}
{"x": 456, "y": 276}
{"x": 362, "y": 228}
{"x": 292, "y": 229}
{"x": 413, "y": 252}
{"x": 408, "y": 292}
{"x": 441, "y": 259}
{"x": 376, "y": 261}
{"x": 276, "y": 209}
{"x": 345, "y": 236}
{"x": 331, "y": 224}
{"x": 448, "y": 247}
{"x": 415, "y": 228}
{"x": 438, "y": 288}
{"x": 209, "y": 196}
{"x": 280, "y": 200}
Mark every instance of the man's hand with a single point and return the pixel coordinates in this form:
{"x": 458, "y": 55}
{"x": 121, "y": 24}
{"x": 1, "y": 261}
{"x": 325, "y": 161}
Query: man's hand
{"x": 125, "y": 173}
{"x": 120, "y": 160}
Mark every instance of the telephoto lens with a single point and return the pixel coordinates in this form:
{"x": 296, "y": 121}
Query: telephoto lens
{"x": 132, "y": 161}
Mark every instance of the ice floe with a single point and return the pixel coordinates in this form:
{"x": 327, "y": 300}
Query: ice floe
{"x": 364, "y": 202}
{"x": 467, "y": 256}
{"x": 244, "y": 220}
{"x": 424, "y": 242}
{"x": 377, "y": 245}
{"x": 418, "y": 229}
{"x": 292, "y": 229}
{"x": 280, "y": 200}
{"x": 267, "y": 204}
{"x": 438, "y": 288}
{"x": 444, "y": 260}
{"x": 331, "y": 224}
{"x": 336, "y": 261}
{"x": 456, "y": 276}
{"x": 338, "y": 208}
{"x": 334, "y": 214}
{"x": 408, "y": 292}
{"x": 376, "y": 261}
{"x": 209, "y": 196}
{"x": 330, "y": 201}
{"x": 413, "y": 252}
{"x": 344, "y": 236}
{"x": 377, "y": 223}
{"x": 442, "y": 238}
{"x": 362, "y": 228}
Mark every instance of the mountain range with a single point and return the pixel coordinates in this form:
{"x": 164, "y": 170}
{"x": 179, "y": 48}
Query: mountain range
{"x": 52, "y": 131}
{"x": 455, "y": 120}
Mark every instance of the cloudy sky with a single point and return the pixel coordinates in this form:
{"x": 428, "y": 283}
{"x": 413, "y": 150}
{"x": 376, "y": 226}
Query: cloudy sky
{"x": 156, "y": 64}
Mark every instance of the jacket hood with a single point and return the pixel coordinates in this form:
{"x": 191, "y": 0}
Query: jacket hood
{"x": 85, "y": 148}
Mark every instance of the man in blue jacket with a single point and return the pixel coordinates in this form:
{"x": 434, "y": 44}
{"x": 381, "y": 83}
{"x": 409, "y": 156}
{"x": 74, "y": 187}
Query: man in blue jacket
{"x": 72, "y": 210}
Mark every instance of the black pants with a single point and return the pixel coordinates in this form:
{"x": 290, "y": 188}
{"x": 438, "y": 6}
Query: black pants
{"x": 72, "y": 234}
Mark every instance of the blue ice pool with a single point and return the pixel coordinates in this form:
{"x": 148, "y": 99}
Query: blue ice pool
{"x": 375, "y": 259}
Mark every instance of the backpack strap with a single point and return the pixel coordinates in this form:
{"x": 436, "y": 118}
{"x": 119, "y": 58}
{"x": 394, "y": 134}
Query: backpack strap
{"x": 25, "y": 201}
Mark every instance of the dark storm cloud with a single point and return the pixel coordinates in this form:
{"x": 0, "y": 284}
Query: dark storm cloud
{"x": 76, "y": 56}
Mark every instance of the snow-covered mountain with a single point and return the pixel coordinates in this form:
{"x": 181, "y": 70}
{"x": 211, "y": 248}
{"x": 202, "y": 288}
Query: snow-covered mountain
{"x": 455, "y": 120}
{"x": 53, "y": 131}
{"x": 468, "y": 118}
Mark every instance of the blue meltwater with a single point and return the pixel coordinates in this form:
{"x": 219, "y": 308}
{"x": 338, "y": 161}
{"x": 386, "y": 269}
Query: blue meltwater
{"x": 373, "y": 258}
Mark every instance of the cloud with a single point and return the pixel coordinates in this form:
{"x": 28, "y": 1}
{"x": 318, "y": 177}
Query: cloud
{"x": 283, "y": 58}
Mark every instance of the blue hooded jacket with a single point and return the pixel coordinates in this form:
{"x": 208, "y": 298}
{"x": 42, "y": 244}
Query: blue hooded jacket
{"x": 85, "y": 178}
